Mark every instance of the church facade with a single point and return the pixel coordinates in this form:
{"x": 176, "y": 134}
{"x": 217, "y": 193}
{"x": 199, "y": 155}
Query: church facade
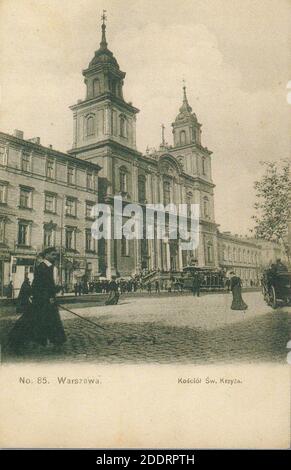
{"x": 56, "y": 192}
{"x": 105, "y": 134}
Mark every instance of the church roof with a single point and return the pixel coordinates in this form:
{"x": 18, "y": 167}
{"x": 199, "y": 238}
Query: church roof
{"x": 185, "y": 111}
{"x": 103, "y": 55}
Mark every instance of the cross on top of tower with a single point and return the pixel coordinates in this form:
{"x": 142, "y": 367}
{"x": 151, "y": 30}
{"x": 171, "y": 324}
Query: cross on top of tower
{"x": 104, "y": 17}
{"x": 103, "y": 43}
{"x": 184, "y": 90}
{"x": 163, "y": 134}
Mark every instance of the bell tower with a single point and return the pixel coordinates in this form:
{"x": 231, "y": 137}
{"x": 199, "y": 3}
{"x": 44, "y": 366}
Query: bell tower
{"x": 186, "y": 128}
{"x": 103, "y": 116}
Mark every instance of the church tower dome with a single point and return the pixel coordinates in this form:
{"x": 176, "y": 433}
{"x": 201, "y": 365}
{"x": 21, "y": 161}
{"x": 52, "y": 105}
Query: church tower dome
{"x": 103, "y": 74}
{"x": 186, "y": 128}
{"x": 103, "y": 55}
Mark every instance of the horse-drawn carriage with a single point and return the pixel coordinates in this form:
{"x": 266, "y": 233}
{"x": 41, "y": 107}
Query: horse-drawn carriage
{"x": 276, "y": 287}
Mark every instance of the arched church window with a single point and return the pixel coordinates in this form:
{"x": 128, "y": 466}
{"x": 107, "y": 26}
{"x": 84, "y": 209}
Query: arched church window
{"x": 193, "y": 131}
{"x": 90, "y": 125}
{"x": 203, "y": 165}
{"x": 123, "y": 126}
{"x": 96, "y": 87}
{"x": 189, "y": 202}
{"x": 141, "y": 188}
{"x": 182, "y": 137}
{"x": 209, "y": 252}
{"x": 206, "y": 207}
{"x": 124, "y": 246}
{"x": 229, "y": 254}
{"x": 181, "y": 162}
{"x": 123, "y": 177}
{"x": 167, "y": 192}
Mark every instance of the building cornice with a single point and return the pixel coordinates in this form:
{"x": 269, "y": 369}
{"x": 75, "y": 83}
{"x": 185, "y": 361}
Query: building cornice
{"x": 47, "y": 151}
{"x": 107, "y": 98}
{"x": 106, "y": 142}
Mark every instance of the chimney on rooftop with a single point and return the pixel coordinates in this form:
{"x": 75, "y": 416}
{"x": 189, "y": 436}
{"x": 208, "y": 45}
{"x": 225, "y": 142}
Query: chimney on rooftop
{"x": 35, "y": 140}
{"x": 19, "y": 134}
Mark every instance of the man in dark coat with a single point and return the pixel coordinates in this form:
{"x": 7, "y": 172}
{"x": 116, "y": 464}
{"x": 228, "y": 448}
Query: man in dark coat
{"x": 196, "y": 284}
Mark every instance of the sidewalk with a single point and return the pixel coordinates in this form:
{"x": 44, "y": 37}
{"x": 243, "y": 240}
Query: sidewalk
{"x": 70, "y": 298}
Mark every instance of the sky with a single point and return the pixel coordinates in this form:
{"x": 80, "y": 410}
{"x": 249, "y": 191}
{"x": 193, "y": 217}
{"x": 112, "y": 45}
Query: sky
{"x": 234, "y": 56}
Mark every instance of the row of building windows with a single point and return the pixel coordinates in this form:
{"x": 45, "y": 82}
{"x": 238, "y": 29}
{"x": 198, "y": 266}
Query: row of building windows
{"x": 50, "y": 169}
{"x": 115, "y": 87}
{"x": 239, "y": 255}
{"x": 194, "y": 136}
{"x": 50, "y": 201}
{"x": 24, "y": 235}
{"x": 123, "y": 125}
{"x": 123, "y": 188}
{"x": 49, "y": 235}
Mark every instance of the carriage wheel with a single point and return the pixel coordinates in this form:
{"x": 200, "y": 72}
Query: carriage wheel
{"x": 273, "y": 299}
{"x": 265, "y": 294}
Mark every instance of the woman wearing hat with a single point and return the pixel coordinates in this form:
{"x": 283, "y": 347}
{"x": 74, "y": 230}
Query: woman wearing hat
{"x": 235, "y": 287}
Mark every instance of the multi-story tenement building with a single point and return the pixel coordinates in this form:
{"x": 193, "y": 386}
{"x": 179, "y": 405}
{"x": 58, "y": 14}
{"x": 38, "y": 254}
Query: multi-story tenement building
{"x": 241, "y": 255}
{"x": 105, "y": 134}
{"x": 46, "y": 199}
{"x": 270, "y": 252}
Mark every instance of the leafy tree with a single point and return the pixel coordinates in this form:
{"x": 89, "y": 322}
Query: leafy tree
{"x": 273, "y": 203}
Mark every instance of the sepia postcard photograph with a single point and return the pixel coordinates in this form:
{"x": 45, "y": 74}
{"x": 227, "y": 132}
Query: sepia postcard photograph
{"x": 145, "y": 224}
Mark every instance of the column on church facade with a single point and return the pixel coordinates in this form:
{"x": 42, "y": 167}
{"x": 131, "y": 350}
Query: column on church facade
{"x": 134, "y": 182}
{"x": 134, "y": 131}
{"x": 137, "y": 253}
{"x": 161, "y": 189}
{"x": 201, "y": 250}
{"x": 151, "y": 254}
{"x": 181, "y": 194}
{"x": 196, "y": 194}
{"x": 180, "y": 258}
{"x": 107, "y": 120}
{"x": 110, "y": 254}
{"x": 175, "y": 192}
{"x": 137, "y": 243}
{"x": 215, "y": 250}
{"x": 157, "y": 189}
{"x": 107, "y": 173}
{"x": 168, "y": 262}
{"x": 75, "y": 133}
{"x": 158, "y": 253}
{"x": 149, "y": 188}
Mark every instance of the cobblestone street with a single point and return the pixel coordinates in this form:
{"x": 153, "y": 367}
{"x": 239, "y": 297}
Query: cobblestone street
{"x": 159, "y": 329}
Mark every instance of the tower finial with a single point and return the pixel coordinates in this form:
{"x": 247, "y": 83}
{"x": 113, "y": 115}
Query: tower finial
{"x": 163, "y": 134}
{"x": 103, "y": 43}
{"x": 184, "y": 91}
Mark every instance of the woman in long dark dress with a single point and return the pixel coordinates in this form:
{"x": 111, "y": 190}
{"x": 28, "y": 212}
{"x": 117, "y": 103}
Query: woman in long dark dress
{"x": 113, "y": 294}
{"x": 21, "y": 333}
{"x": 41, "y": 321}
{"x": 23, "y": 299}
{"x": 237, "y": 300}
